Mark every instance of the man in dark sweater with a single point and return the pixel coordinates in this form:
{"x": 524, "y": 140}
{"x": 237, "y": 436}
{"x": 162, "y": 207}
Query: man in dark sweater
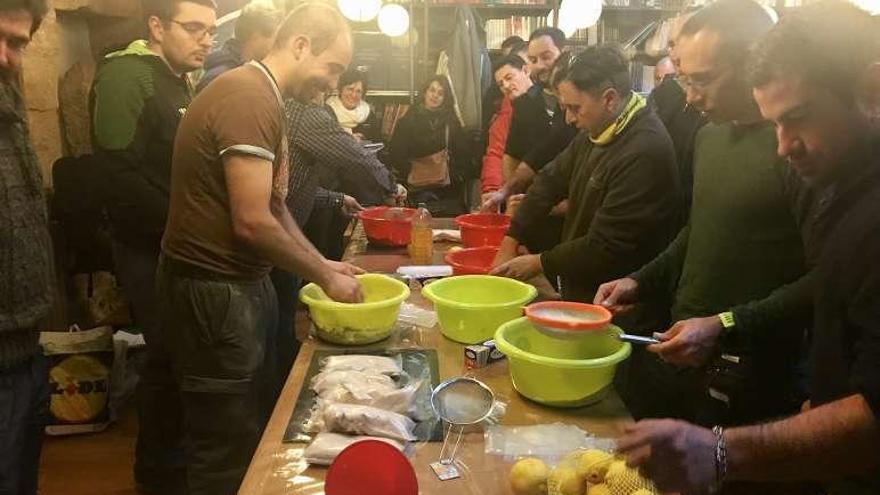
{"x": 619, "y": 175}
{"x": 734, "y": 273}
{"x": 817, "y": 77}
{"x": 139, "y": 97}
{"x": 25, "y": 265}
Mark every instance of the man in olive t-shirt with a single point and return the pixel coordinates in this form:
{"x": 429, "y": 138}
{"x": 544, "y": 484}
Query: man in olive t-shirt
{"x": 227, "y": 226}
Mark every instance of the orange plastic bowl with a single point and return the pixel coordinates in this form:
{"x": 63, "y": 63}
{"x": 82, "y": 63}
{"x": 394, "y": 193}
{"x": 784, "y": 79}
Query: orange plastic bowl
{"x": 471, "y": 261}
{"x": 482, "y": 229}
{"x": 386, "y": 227}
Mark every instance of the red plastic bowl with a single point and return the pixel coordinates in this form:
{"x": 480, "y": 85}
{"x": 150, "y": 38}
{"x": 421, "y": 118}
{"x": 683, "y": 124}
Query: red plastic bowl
{"x": 371, "y": 467}
{"x": 482, "y": 229}
{"x": 384, "y": 229}
{"x": 471, "y": 261}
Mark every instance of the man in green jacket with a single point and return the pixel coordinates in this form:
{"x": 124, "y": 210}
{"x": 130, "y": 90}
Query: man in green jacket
{"x": 734, "y": 273}
{"x": 139, "y": 96}
{"x": 619, "y": 174}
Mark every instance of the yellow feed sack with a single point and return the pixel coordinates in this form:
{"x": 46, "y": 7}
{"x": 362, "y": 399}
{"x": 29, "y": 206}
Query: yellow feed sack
{"x": 529, "y": 477}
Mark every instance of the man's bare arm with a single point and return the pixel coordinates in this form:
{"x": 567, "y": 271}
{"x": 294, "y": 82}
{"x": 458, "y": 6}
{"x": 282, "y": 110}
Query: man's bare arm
{"x": 829, "y": 442}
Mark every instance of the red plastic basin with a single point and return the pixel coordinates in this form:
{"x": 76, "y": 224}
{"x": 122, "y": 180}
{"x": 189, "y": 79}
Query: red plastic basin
{"x": 386, "y": 227}
{"x": 482, "y": 229}
{"x": 471, "y": 261}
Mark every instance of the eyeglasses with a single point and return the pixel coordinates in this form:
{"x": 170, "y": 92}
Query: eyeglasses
{"x": 197, "y": 30}
{"x": 698, "y": 82}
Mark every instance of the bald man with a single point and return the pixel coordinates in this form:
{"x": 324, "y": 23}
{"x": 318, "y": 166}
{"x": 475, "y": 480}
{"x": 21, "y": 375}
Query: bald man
{"x": 228, "y": 225}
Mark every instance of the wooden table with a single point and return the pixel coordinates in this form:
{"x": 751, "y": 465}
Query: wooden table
{"x": 277, "y": 468}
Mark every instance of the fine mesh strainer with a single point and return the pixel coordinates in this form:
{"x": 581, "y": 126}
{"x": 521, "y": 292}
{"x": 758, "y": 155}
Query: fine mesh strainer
{"x": 459, "y": 402}
{"x": 573, "y": 320}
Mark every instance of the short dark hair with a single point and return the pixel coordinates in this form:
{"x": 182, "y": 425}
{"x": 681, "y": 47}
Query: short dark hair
{"x": 165, "y": 9}
{"x": 351, "y": 76}
{"x": 256, "y": 19}
{"x": 36, "y": 8}
{"x": 555, "y": 34}
{"x": 520, "y": 47}
{"x": 597, "y": 68}
{"x": 737, "y": 22}
{"x": 514, "y": 61}
{"x": 511, "y": 41}
{"x": 828, "y": 44}
{"x": 320, "y": 22}
{"x": 560, "y": 68}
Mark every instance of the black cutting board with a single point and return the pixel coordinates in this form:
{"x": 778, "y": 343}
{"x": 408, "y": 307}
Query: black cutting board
{"x": 415, "y": 362}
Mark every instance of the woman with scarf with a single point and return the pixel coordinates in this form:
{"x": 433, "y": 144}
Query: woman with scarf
{"x": 354, "y": 114}
{"x": 431, "y": 152}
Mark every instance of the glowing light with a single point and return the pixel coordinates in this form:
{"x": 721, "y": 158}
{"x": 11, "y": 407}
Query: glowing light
{"x": 393, "y": 20}
{"x": 360, "y": 10}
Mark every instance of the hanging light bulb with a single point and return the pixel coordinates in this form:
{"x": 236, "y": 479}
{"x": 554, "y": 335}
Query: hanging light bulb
{"x": 580, "y": 13}
{"x": 870, "y": 6}
{"x": 360, "y": 10}
{"x": 393, "y": 20}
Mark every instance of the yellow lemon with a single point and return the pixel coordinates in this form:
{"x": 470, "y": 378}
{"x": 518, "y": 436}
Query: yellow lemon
{"x": 529, "y": 477}
{"x": 600, "y": 489}
{"x": 642, "y": 491}
{"x": 623, "y": 480}
{"x": 594, "y": 464}
{"x": 566, "y": 481}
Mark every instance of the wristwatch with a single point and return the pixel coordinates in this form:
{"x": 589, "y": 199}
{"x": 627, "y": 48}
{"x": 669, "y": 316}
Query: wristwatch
{"x": 727, "y": 320}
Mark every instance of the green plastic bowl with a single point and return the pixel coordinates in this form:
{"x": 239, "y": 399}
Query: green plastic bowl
{"x": 471, "y": 307}
{"x": 560, "y": 372}
{"x": 359, "y": 323}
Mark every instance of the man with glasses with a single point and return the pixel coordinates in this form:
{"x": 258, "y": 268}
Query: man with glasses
{"x": 734, "y": 273}
{"x": 139, "y": 96}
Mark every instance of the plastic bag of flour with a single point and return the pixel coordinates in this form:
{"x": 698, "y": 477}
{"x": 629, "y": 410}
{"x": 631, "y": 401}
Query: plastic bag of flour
{"x": 367, "y": 382}
{"x": 366, "y": 420}
{"x": 326, "y": 446}
{"x": 399, "y": 400}
{"x": 368, "y": 364}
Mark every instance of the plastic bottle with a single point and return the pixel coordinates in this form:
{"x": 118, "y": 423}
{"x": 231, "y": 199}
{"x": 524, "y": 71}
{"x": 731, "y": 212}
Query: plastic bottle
{"x": 421, "y": 243}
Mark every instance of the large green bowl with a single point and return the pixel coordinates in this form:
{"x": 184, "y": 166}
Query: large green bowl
{"x": 470, "y": 308}
{"x": 560, "y": 372}
{"x": 361, "y": 323}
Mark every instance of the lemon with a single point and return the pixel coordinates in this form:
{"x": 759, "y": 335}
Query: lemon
{"x": 566, "y": 481}
{"x": 529, "y": 477}
{"x": 624, "y": 480}
{"x": 642, "y": 491}
{"x": 600, "y": 489}
{"x": 593, "y": 465}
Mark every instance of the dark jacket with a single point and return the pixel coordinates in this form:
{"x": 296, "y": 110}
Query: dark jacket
{"x": 845, "y": 356}
{"x": 219, "y": 61}
{"x": 624, "y": 205}
{"x": 137, "y": 103}
{"x": 560, "y": 135}
{"x": 25, "y": 246}
{"x": 421, "y": 132}
{"x": 682, "y": 122}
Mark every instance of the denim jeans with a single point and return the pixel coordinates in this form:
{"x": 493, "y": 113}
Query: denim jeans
{"x": 24, "y": 411}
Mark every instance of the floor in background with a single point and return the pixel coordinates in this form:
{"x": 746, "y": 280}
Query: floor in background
{"x": 97, "y": 463}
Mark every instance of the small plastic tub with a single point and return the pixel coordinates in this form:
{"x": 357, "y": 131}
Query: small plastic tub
{"x": 560, "y": 372}
{"x": 471, "y": 307}
{"x": 482, "y": 229}
{"x": 388, "y": 226}
{"x": 358, "y": 323}
{"x": 471, "y": 261}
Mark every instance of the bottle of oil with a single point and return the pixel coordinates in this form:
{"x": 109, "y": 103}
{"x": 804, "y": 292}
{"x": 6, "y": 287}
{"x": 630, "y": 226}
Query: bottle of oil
{"x": 421, "y": 243}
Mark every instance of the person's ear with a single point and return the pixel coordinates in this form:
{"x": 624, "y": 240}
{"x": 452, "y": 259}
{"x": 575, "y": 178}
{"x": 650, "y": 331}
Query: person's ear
{"x": 610, "y": 97}
{"x": 869, "y": 93}
{"x": 156, "y": 28}
{"x": 300, "y": 46}
{"x": 527, "y": 70}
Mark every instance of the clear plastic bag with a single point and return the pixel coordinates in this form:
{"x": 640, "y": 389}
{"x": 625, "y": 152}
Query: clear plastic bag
{"x": 399, "y": 400}
{"x": 366, "y": 363}
{"x": 410, "y": 314}
{"x": 549, "y": 442}
{"x": 326, "y": 446}
{"x": 368, "y": 382}
{"x": 365, "y": 420}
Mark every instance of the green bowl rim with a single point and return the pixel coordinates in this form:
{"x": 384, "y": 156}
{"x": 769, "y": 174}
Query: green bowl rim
{"x": 428, "y": 292}
{"x": 511, "y": 350}
{"x": 324, "y": 304}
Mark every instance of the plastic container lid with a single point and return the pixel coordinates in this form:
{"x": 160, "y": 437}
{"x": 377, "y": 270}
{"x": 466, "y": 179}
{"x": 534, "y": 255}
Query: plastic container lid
{"x": 371, "y": 466}
{"x": 567, "y": 319}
